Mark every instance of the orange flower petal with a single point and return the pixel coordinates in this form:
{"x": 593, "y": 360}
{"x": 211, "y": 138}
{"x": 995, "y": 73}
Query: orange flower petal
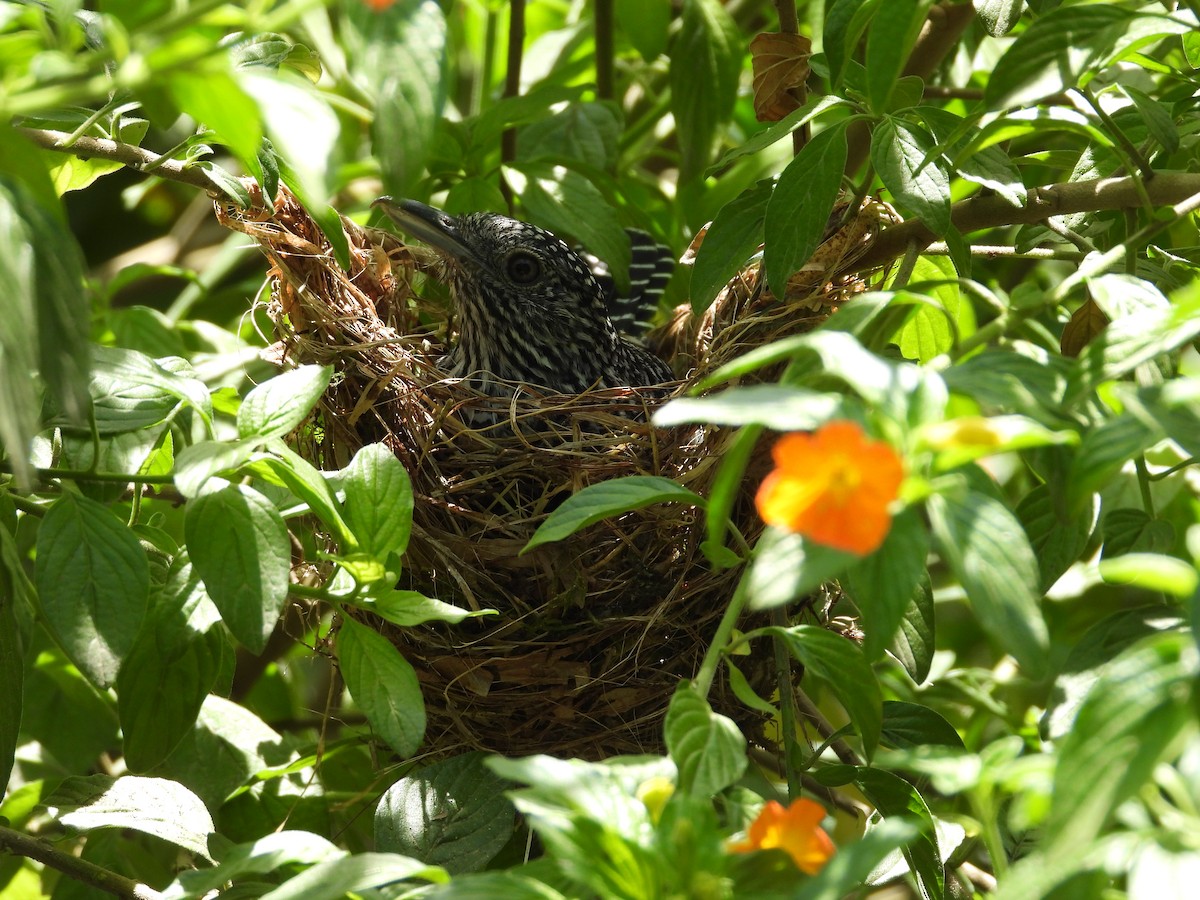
{"x": 834, "y": 486}
{"x": 796, "y": 830}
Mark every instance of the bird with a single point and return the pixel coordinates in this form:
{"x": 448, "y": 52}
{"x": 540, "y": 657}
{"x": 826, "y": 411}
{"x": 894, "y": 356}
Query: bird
{"x": 531, "y": 310}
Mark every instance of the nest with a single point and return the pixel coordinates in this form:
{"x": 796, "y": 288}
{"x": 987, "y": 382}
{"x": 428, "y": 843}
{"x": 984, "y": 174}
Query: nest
{"x": 593, "y": 633}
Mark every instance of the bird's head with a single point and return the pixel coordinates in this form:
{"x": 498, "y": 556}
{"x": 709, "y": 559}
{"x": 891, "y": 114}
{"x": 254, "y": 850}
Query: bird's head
{"x": 503, "y": 268}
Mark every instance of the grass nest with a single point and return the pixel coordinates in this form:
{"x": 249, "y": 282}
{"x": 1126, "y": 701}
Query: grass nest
{"x": 594, "y": 632}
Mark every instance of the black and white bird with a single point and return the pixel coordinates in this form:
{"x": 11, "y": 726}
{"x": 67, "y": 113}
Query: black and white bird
{"x": 533, "y": 311}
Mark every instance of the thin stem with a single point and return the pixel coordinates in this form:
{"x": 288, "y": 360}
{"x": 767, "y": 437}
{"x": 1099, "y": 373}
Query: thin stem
{"x": 787, "y": 704}
{"x": 132, "y": 157}
{"x": 1133, "y": 157}
{"x": 1159, "y": 476}
{"x": 605, "y": 49}
{"x": 809, "y": 711}
{"x": 789, "y": 23}
{"x": 1143, "y": 476}
{"x": 512, "y": 84}
{"x": 904, "y": 272}
{"x": 80, "y": 870}
{"x": 112, "y": 477}
{"x": 712, "y": 657}
{"x": 993, "y": 211}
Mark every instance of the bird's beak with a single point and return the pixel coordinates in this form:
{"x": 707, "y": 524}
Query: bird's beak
{"x": 436, "y": 228}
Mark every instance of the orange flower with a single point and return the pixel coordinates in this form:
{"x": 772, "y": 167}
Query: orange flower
{"x": 378, "y": 5}
{"x": 796, "y": 830}
{"x": 833, "y": 486}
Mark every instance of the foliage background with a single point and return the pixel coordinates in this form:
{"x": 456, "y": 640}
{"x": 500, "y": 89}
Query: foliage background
{"x": 1021, "y": 714}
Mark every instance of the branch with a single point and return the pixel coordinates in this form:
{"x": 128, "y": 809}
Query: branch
{"x": 993, "y": 211}
{"x": 126, "y": 154}
{"x": 20, "y": 844}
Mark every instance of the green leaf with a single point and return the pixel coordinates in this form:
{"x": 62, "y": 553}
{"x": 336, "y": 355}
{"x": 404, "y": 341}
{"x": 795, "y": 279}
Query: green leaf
{"x": 1151, "y": 572}
{"x": 907, "y": 725}
{"x": 1130, "y": 718}
{"x": 708, "y": 749}
{"x": 774, "y": 132}
{"x": 335, "y": 878}
{"x": 986, "y": 548}
{"x": 787, "y": 567}
{"x": 567, "y": 202}
{"x": 914, "y": 643}
{"x": 587, "y": 132}
{"x": 777, "y": 406}
{"x": 1103, "y": 451}
{"x": 726, "y": 491}
{"x": 173, "y": 665}
{"x": 384, "y": 686}
{"x": 1135, "y": 339}
{"x": 906, "y": 157}
{"x": 399, "y": 54}
{"x": 201, "y": 461}
{"x": 882, "y": 586}
{"x": 155, "y": 806}
{"x": 304, "y": 131}
{"x": 609, "y": 498}
{"x": 1157, "y": 118}
{"x": 845, "y": 23}
{"x": 276, "y": 407}
{"x": 44, "y": 308}
{"x": 999, "y": 16}
{"x": 12, "y": 671}
{"x": 731, "y": 239}
{"x": 408, "y": 608}
{"x": 452, "y": 813}
{"x": 1133, "y": 530}
{"x": 239, "y": 544}
{"x": 1057, "y": 538}
{"x": 93, "y": 580}
{"x": 289, "y": 469}
{"x": 645, "y": 25}
{"x": 379, "y": 501}
{"x": 890, "y": 40}
{"x": 260, "y": 857}
{"x": 895, "y": 797}
{"x": 1093, "y": 654}
{"x": 216, "y": 101}
{"x": 941, "y": 315}
{"x": 706, "y": 61}
{"x": 840, "y": 663}
{"x": 1064, "y": 47}
{"x": 799, "y": 209}
{"x": 131, "y": 391}
{"x": 475, "y": 195}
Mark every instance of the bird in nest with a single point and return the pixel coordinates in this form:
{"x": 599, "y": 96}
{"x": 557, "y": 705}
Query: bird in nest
{"x": 533, "y": 311}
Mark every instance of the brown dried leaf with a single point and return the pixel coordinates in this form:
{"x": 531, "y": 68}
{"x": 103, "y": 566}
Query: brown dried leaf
{"x": 780, "y": 65}
{"x": 1086, "y": 322}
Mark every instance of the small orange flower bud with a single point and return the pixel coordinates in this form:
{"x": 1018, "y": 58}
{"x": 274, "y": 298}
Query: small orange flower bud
{"x": 796, "y": 830}
{"x": 834, "y": 486}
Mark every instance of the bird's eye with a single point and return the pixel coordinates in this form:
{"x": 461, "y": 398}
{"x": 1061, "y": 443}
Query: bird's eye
{"x": 523, "y": 267}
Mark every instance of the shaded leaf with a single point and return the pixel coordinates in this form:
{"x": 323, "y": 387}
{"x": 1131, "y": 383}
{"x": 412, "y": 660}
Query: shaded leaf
{"x": 239, "y": 544}
{"x": 384, "y": 686}
{"x": 985, "y": 546}
{"x": 93, "y": 581}
{"x": 708, "y": 749}
{"x": 155, "y": 806}
{"x": 706, "y": 60}
{"x": 609, "y": 498}
{"x": 452, "y": 813}
{"x": 839, "y": 662}
{"x": 800, "y": 206}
